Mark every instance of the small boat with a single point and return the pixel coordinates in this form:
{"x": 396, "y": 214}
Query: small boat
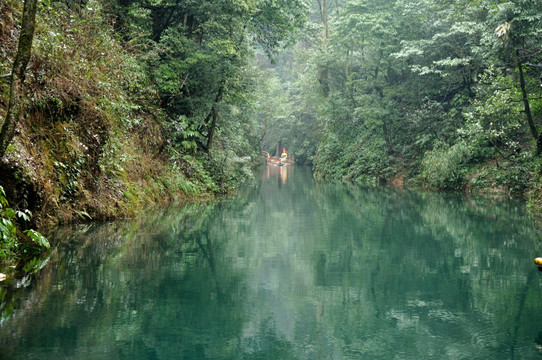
{"x": 282, "y": 161}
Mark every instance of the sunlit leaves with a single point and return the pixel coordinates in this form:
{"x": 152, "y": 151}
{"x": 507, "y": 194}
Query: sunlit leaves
{"x": 503, "y": 32}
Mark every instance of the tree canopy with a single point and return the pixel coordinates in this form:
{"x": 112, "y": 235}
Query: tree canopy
{"x": 440, "y": 94}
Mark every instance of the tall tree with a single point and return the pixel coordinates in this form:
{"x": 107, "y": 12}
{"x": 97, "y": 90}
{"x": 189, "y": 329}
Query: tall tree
{"x": 16, "y": 90}
{"x": 520, "y": 36}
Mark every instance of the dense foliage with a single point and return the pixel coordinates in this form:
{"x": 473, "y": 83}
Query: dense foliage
{"x": 134, "y": 103}
{"x": 14, "y": 241}
{"x": 440, "y": 94}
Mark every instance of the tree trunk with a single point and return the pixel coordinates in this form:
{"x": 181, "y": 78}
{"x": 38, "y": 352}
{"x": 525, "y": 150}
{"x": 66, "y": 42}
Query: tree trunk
{"x": 323, "y": 14}
{"x": 212, "y": 128}
{"x": 526, "y": 107}
{"x": 213, "y": 117}
{"x": 323, "y": 71}
{"x": 323, "y": 79}
{"x": 162, "y": 18}
{"x": 16, "y": 91}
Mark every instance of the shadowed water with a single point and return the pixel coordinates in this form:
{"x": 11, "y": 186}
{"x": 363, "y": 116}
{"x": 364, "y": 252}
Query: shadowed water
{"x": 288, "y": 269}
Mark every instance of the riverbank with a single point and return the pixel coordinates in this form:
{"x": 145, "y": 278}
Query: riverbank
{"x": 95, "y": 141}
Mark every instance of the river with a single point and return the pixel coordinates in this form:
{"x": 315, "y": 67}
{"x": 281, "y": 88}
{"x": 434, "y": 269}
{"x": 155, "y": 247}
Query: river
{"x": 288, "y": 269}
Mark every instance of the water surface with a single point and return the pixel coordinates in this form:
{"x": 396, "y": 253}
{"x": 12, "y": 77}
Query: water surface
{"x": 288, "y": 269}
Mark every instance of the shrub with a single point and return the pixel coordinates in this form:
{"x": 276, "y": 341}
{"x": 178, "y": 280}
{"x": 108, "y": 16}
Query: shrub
{"x": 443, "y": 167}
{"x": 13, "y": 242}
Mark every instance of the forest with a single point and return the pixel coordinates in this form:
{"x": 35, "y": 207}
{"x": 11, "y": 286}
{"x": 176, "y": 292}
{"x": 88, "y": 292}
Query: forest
{"x": 127, "y": 104}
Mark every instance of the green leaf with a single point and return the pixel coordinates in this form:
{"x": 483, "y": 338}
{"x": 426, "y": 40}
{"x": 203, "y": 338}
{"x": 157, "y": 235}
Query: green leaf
{"x": 38, "y": 238}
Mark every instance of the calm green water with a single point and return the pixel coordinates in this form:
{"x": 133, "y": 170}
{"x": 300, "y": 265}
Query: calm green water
{"x": 288, "y": 269}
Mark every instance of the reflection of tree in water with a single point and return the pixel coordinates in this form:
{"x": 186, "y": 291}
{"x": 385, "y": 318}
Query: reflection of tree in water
{"x": 321, "y": 271}
{"x": 133, "y": 282}
{"x": 433, "y": 244}
{"x": 305, "y": 272}
{"x": 266, "y": 343}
